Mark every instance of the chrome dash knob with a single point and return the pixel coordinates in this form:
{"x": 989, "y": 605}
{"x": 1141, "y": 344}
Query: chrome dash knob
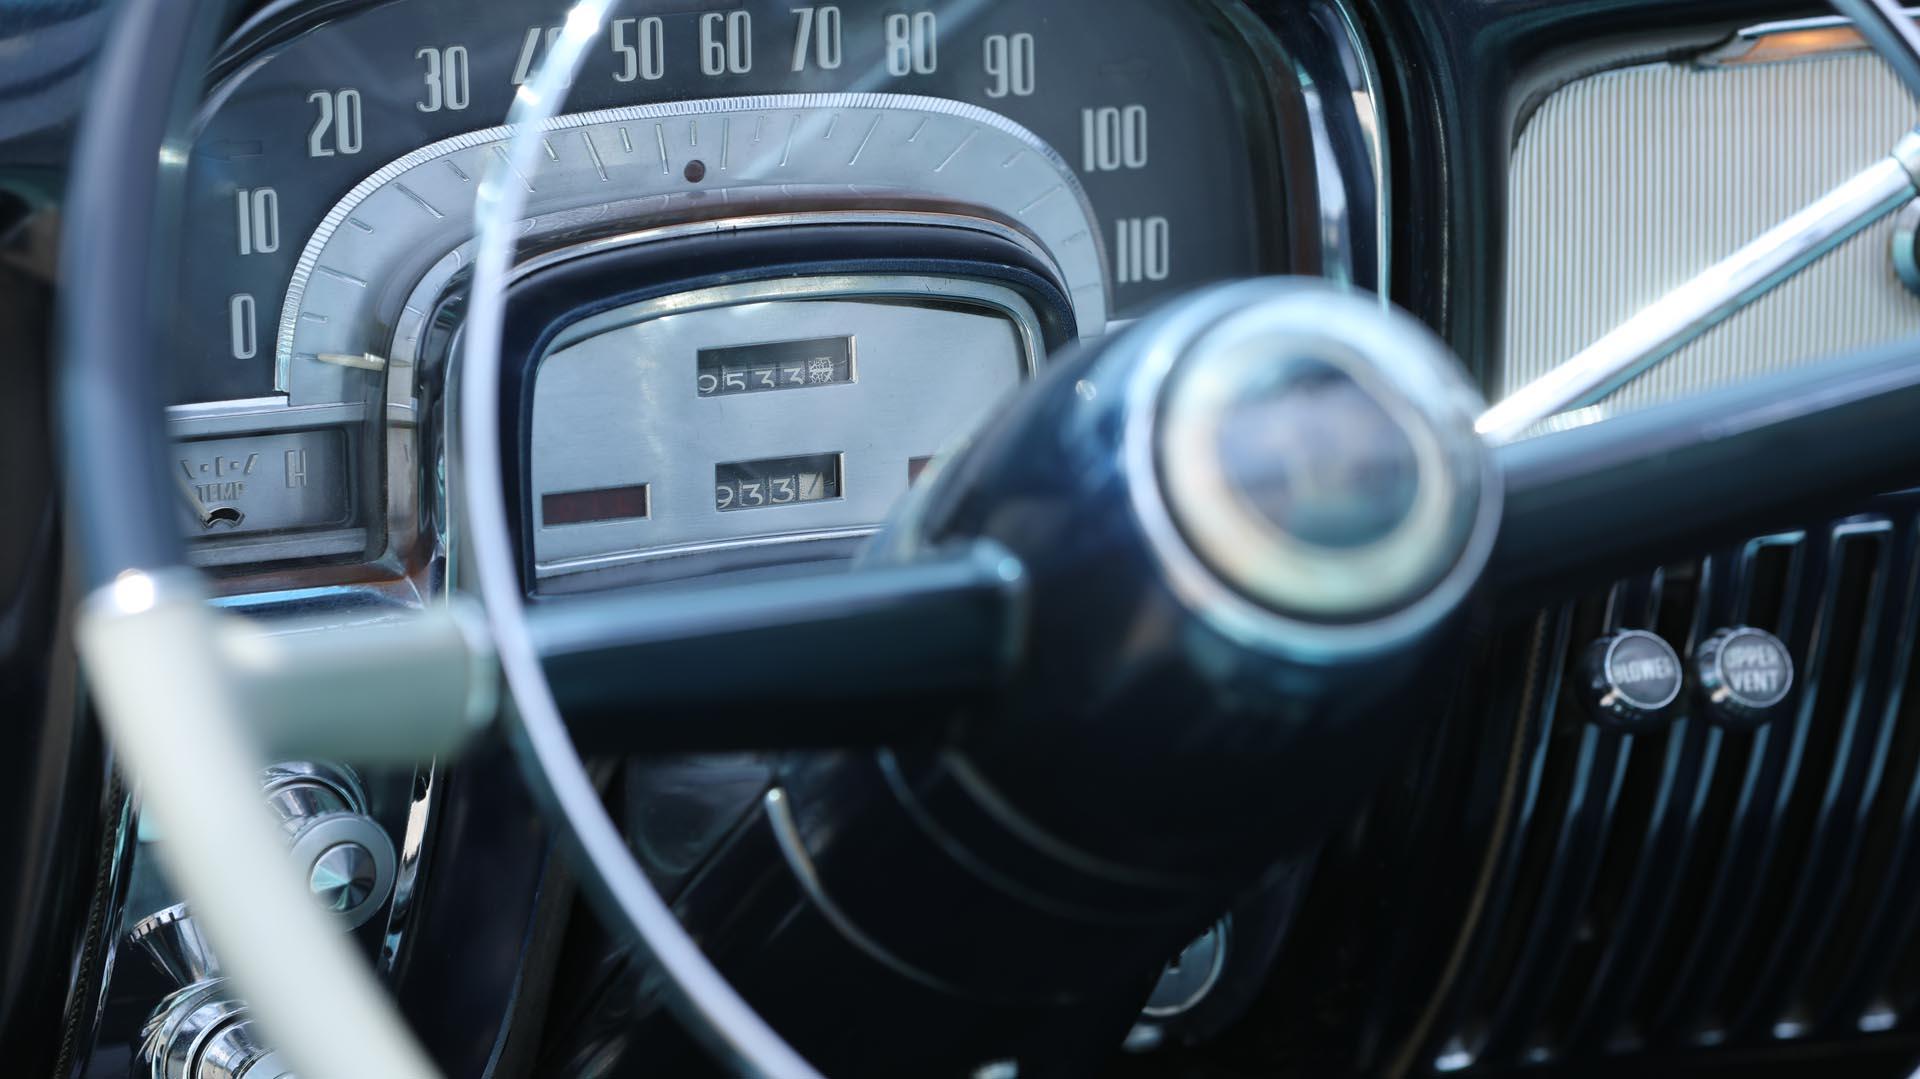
{"x": 1744, "y": 675}
{"x": 1630, "y": 679}
{"x": 204, "y": 1031}
{"x": 348, "y": 863}
{"x": 173, "y": 941}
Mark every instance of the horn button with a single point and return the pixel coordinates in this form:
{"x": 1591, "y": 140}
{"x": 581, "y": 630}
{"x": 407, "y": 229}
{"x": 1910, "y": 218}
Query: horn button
{"x": 1318, "y": 467}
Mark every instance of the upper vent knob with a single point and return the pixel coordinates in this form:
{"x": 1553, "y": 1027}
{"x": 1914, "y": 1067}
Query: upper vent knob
{"x": 1744, "y": 675}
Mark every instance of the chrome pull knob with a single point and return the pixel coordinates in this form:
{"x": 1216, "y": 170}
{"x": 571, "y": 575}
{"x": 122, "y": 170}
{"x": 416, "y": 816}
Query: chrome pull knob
{"x": 172, "y": 940}
{"x": 348, "y": 862}
{"x": 344, "y": 855}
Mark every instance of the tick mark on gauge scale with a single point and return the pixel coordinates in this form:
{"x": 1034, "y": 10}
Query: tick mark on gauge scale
{"x": 786, "y": 149}
{"x": 552, "y": 154}
{"x": 660, "y": 140}
{"x": 948, "y": 160}
{"x": 415, "y": 196}
{"x": 458, "y": 171}
{"x": 507, "y": 160}
{"x": 338, "y": 276}
{"x": 593, "y": 152}
{"x": 726, "y": 140}
{"x": 868, "y": 137}
{"x": 1042, "y": 197}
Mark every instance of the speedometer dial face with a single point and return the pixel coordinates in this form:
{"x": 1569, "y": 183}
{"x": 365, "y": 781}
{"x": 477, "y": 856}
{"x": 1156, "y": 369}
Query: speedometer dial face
{"x": 1154, "y": 110}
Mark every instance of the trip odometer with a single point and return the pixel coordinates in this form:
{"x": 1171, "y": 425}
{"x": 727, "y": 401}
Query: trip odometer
{"x": 335, "y": 164}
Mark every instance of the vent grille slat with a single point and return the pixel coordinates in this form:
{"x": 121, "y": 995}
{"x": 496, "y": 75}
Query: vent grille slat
{"x": 1849, "y": 975}
{"x": 1821, "y": 727}
{"x": 1698, "y": 885}
{"x": 1649, "y": 892}
{"x": 1600, "y": 771}
{"x": 1600, "y": 777}
{"x": 1464, "y": 1048}
{"x": 1837, "y": 829}
{"x": 1771, "y": 765}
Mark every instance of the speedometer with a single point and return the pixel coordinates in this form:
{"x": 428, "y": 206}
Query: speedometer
{"x": 335, "y": 167}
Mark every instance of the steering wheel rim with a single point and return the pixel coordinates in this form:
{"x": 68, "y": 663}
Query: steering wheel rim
{"x": 701, "y": 996}
{"x": 144, "y": 616}
{"x": 134, "y": 567}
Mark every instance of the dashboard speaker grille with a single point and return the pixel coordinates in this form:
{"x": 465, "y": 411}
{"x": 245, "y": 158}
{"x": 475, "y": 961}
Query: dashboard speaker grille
{"x": 1627, "y": 183}
{"x": 1694, "y": 886}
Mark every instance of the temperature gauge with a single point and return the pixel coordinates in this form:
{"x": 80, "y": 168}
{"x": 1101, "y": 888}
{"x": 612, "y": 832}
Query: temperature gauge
{"x": 286, "y": 481}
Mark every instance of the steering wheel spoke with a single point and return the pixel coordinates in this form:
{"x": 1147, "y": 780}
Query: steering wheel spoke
{"x": 875, "y": 655}
{"x": 1586, "y": 504}
{"x": 1889, "y": 29}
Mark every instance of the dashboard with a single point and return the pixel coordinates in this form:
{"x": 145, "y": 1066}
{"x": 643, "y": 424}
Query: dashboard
{"x": 786, "y": 277}
{"x": 985, "y": 176}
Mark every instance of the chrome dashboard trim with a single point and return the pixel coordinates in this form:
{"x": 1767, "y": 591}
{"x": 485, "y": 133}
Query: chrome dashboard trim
{"x": 591, "y": 563}
{"x": 857, "y": 287}
{"x": 404, "y": 348}
{"x": 501, "y": 135}
{"x": 255, "y": 415}
{"x": 1373, "y": 122}
{"x": 1784, "y": 40}
{"x": 1366, "y": 93}
{"x": 198, "y": 409}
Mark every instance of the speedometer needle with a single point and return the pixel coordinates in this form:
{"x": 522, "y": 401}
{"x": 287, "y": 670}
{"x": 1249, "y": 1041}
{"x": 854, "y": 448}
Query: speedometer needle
{"x": 366, "y": 361}
{"x": 199, "y": 508}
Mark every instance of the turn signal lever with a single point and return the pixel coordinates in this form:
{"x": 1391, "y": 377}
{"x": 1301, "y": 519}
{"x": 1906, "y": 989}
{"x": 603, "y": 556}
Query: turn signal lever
{"x": 202, "y": 1030}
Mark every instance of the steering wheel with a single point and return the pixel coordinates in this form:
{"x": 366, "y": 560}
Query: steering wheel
{"x": 1155, "y": 628}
